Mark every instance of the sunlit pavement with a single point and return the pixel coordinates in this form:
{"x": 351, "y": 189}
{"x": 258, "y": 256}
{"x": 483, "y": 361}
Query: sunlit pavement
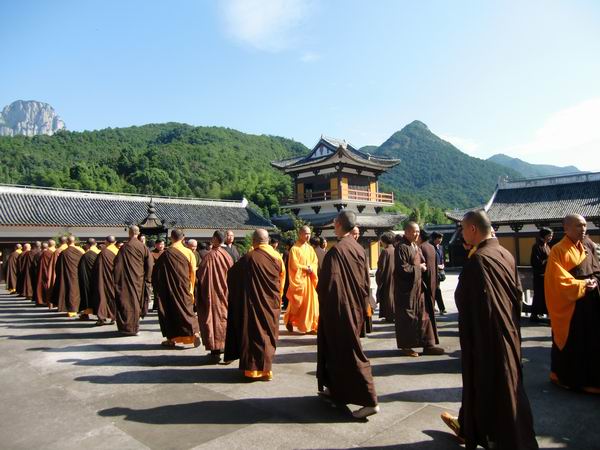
{"x": 68, "y": 384}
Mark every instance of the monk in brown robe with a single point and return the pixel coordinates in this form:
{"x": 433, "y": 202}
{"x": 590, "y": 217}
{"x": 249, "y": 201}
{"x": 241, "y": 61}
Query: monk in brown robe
{"x": 65, "y": 293}
{"x": 86, "y": 265}
{"x": 211, "y": 296}
{"x": 43, "y": 284}
{"x": 230, "y": 247}
{"x": 23, "y": 270}
{"x": 539, "y": 257}
{"x": 573, "y": 298}
{"x": 315, "y": 243}
{"x": 173, "y": 281}
{"x": 343, "y": 370}
{"x": 430, "y": 278}
{"x": 11, "y": 269}
{"x": 133, "y": 269}
{"x": 103, "y": 283}
{"x": 42, "y": 264}
{"x": 495, "y": 411}
{"x": 61, "y": 247}
{"x": 414, "y": 327}
{"x": 255, "y": 285}
{"x": 34, "y": 264}
{"x": 156, "y": 252}
{"x": 385, "y": 278}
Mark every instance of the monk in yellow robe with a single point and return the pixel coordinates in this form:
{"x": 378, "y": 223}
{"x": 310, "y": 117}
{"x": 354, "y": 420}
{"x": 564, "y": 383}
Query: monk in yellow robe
{"x": 571, "y": 285}
{"x": 303, "y": 303}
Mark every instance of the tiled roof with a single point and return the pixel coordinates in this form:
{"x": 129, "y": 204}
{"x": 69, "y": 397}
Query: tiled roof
{"x": 30, "y": 206}
{"x": 543, "y": 200}
{"x": 334, "y": 144}
{"x": 285, "y": 222}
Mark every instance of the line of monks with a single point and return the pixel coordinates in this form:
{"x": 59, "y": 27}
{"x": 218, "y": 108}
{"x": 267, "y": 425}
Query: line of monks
{"x": 232, "y": 305}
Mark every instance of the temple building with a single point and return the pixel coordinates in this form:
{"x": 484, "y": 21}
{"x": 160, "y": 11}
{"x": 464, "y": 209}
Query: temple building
{"x": 34, "y": 213}
{"x": 335, "y": 176}
{"x": 518, "y": 209}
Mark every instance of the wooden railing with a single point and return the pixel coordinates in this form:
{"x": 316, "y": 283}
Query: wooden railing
{"x": 350, "y": 194}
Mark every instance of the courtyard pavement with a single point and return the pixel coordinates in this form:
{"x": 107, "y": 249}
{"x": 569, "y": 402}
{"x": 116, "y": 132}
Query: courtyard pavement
{"x": 66, "y": 384}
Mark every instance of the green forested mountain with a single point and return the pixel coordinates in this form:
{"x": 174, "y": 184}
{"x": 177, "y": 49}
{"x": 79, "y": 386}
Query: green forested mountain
{"x": 529, "y": 170}
{"x": 167, "y": 159}
{"x": 434, "y": 170}
{"x": 180, "y": 160}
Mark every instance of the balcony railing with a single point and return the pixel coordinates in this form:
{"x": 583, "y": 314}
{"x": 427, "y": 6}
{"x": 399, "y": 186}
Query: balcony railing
{"x": 347, "y": 194}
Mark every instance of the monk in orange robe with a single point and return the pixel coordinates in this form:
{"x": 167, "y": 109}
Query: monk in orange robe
{"x": 303, "y": 303}
{"x": 571, "y": 285}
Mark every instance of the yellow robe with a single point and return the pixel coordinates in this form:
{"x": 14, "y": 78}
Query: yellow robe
{"x": 303, "y": 306}
{"x": 561, "y": 288}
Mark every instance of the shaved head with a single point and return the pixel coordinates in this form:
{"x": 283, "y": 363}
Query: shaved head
{"x": 27, "y": 247}
{"x": 476, "y": 227}
{"x": 111, "y": 239}
{"x": 71, "y": 240}
{"x": 63, "y": 240}
{"x": 44, "y": 245}
{"x": 91, "y": 242}
{"x": 134, "y": 230}
{"x": 346, "y": 220}
{"x": 51, "y": 243}
{"x": 575, "y": 227}
{"x": 18, "y": 246}
{"x": 37, "y": 244}
{"x": 260, "y": 236}
{"x": 177, "y": 235}
{"x": 411, "y": 231}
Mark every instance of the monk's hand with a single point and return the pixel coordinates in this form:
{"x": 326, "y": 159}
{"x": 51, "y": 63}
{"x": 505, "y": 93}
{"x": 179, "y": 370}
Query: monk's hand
{"x": 423, "y": 267}
{"x": 591, "y": 284}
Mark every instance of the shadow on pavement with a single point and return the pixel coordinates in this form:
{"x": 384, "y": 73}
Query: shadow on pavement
{"x": 294, "y": 410}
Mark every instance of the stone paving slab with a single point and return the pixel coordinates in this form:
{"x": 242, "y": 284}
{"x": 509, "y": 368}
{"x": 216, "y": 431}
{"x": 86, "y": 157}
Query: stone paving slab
{"x": 66, "y": 384}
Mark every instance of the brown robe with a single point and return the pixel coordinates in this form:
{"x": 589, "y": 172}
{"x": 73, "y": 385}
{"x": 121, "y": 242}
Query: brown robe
{"x": 65, "y": 294}
{"x": 211, "y": 297}
{"x": 539, "y": 257}
{"x": 12, "y": 270}
{"x": 384, "y": 276}
{"x": 254, "y": 284}
{"x": 577, "y": 365}
{"x": 495, "y": 408}
{"x": 133, "y": 269}
{"x": 103, "y": 284}
{"x": 413, "y": 324}
{"x": 320, "y": 255}
{"x": 171, "y": 285}
{"x": 43, "y": 286}
{"x": 343, "y": 292}
{"x": 22, "y": 271}
{"x": 29, "y": 269}
{"x": 86, "y": 264}
{"x": 34, "y": 272}
{"x": 430, "y": 278}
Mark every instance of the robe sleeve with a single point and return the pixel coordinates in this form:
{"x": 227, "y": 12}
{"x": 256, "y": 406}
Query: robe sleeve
{"x": 382, "y": 265}
{"x": 148, "y": 264}
{"x": 192, "y": 271}
{"x": 282, "y": 279}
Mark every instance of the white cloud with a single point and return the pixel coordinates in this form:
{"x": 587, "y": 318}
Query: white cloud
{"x": 568, "y": 137}
{"x": 464, "y": 144}
{"x": 267, "y": 25}
{"x": 309, "y": 57}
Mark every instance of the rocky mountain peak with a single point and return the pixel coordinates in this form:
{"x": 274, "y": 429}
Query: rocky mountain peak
{"x": 28, "y": 118}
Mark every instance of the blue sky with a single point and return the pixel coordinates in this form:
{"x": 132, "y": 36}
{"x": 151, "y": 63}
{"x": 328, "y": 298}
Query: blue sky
{"x": 521, "y": 78}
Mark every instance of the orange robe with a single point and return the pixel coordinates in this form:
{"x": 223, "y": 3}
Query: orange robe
{"x": 561, "y": 288}
{"x": 303, "y": 307}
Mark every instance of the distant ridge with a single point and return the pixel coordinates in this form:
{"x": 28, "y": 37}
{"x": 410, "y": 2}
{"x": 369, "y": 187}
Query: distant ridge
{"x": 529, "y": 170}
